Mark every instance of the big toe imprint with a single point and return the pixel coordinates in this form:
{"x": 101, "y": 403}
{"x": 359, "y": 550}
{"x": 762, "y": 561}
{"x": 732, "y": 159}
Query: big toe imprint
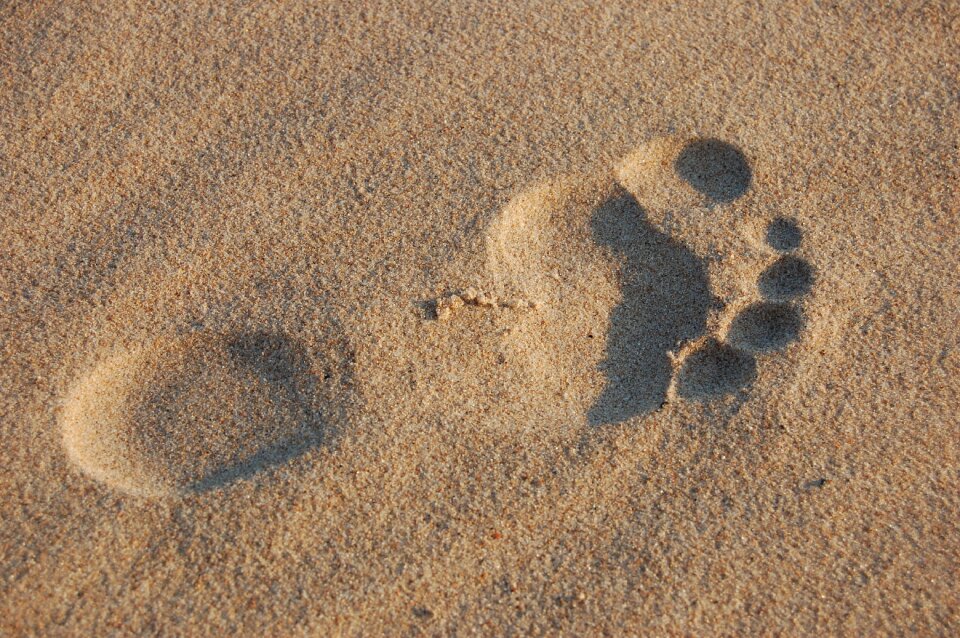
{"x": 187, "y": 414}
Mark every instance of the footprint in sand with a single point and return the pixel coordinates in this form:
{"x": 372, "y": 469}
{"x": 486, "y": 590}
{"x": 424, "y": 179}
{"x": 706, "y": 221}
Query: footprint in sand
{"x": 614, "y": 289}
{"x": 190, "y": 413}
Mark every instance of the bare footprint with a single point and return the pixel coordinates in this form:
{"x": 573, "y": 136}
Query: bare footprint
{"x": 618, "y": 295}
{"x": 190, "y": 413}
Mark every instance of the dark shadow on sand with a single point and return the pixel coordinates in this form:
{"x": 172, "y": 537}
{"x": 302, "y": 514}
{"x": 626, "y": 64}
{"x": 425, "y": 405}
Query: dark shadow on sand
{"x": 665, "y": 298}
{"x": 285, "y": 366}
{"x": 716, "y": 168}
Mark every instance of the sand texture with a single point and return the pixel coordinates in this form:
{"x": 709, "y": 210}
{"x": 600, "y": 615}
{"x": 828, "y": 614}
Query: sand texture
{"x": 442, "y": 318}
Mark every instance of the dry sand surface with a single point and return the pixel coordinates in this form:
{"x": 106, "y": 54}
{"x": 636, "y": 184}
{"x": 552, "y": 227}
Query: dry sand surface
{"x": 479, "y": 318}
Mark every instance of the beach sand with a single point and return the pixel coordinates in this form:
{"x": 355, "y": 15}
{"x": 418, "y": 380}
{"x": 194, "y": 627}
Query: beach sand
{"x": 479, "y": 319}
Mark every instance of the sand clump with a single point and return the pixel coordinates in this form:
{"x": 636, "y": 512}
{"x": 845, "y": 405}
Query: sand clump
{"x": 447, "y": 305}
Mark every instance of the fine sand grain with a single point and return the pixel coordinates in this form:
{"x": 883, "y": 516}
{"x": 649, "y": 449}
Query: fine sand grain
{"x": 479, "y": 318}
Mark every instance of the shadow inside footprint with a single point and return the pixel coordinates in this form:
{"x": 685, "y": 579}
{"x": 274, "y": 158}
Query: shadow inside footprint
{"x": 716, "y": 168}
{"x": 273, "y": 357}
{"x": 714, "y": 370}
{"x": 765, "y": 327}
{"x": 283, "y": 364}
{"x": 665, "y": 298}
{"x": 787, "y": 278}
